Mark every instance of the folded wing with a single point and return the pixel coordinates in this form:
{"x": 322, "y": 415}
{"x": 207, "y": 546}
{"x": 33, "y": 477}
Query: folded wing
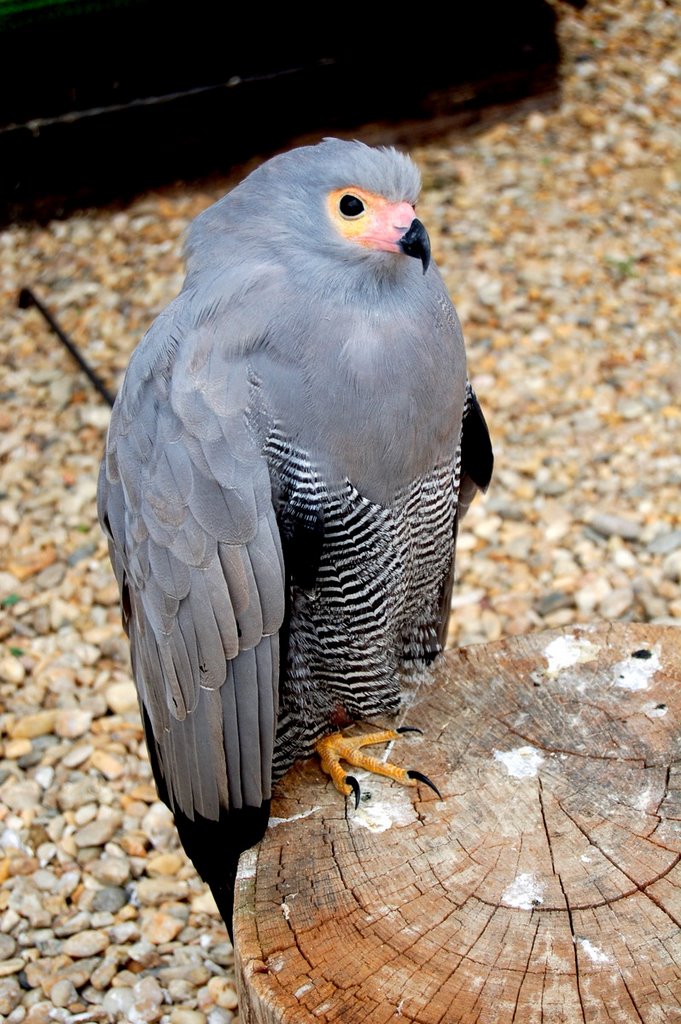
{"x": 185, "y": 500}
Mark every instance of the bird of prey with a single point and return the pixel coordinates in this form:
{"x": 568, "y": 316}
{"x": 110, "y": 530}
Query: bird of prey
{"x": 289, "y": 456}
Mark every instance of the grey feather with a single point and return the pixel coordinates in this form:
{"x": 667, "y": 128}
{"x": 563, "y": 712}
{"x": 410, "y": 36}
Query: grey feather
{"x": 227, "y": 514}
{"x": 246, "y": 709}
{"x": 171, "y": 575}
{"x": 192, "y": 544}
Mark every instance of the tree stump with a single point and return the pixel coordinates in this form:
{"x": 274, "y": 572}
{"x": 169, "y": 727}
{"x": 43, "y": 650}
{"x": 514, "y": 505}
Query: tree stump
{"x": 545, "y": 886}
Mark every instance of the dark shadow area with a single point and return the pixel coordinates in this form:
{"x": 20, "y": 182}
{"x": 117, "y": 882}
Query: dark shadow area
{"x": 101, "y": 101}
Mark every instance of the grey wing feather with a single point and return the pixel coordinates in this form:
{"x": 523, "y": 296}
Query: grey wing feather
{"x": 185, "y": 499}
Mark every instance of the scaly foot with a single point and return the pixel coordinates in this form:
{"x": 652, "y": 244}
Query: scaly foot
{"x": 336, "y": 748}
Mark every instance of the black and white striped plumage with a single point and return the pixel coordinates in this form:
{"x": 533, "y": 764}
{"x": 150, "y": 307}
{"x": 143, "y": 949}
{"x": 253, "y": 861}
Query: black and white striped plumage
{"x": 371, "y": 604}
{"x": 288, "y": 458}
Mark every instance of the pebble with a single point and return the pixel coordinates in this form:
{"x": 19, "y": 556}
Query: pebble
{"x": 181, "y": 1015}
{"x": 40, "y": 1013}
{"x": 113, "y": 871}
{"x": 12, "y": 670}
{"x": 21, "y": 796}
{"x": 204, "y": 903}
{"x": 63, "y": 993}
{"x": 14, "y": 749}
{"x": 11, "y": 966}
{"x": 126, "y": 931}
{"x": 665, "y": 543}
{"x": 10, "y": 995}
{"x": 77, "y": 755}
{"x": 614, "y": 526}
{"x": 7, "y": 946}
{"x": 72, "y": 722}
{"x": 219, "y": 1015}
{"x": 122, "y": 697}
{"x": 557, "y": 235}
{"x": 83, "y": 815}
{"x": 85, "y": 944}
{"x": 159, "y": 928}
{"x": 111, "y": 899}
{"x": 118, "y": 1002}
{"x": 30, "y": 726}
{"x": 221, "y": 953}
{"x": 99, "y": 832}
{"x": 223, "y": 993}
{"x": 152, "y": 891}
{"x": 104, "y": 973}
{"x": 111, "y": 767}
{"x": 147, "y": 1001}
{"x": 671, "y": 567}
{"x": 164, "y": 864}
{"x": 194, "y": 974}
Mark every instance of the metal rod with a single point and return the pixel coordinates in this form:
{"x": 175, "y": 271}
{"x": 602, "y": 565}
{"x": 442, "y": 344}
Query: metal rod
{"x": 26, "y": 299}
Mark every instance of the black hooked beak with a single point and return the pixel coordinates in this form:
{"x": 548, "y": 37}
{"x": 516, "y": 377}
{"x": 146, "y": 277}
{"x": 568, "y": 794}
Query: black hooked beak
{"x": 416, "y": 243}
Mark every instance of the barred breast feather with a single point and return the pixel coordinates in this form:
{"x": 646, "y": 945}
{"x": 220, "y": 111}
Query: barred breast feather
{"x": 369, "y": 589}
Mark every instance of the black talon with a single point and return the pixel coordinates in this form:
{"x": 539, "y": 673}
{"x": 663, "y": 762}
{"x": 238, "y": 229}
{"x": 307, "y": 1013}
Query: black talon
{"x": 412, "y": 774}
{"x": 354, "y": 785}
{"x": 409, "y": 728}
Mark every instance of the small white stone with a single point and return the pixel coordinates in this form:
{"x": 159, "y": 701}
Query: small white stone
{"x": 118, "y": 1002}
{"x": 218, "y": 1015}
{"x": 85, "y": 814}
{"x": 44, "y": 776}
{"x": 11, "y": 670}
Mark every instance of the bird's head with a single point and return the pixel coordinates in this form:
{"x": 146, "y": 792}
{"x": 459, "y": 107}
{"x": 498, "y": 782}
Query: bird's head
{"x": 322, "y": 209}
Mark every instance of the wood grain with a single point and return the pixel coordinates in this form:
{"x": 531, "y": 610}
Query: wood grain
{"x": 544, "y": 887}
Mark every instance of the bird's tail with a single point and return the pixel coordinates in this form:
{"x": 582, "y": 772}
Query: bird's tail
{"x": 214, "y": 847}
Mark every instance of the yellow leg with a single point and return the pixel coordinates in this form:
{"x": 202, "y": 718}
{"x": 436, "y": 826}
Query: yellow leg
{"x": 336, "y": 748}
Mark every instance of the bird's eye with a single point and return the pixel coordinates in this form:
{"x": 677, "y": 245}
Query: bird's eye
{"x": 350, "y": 206}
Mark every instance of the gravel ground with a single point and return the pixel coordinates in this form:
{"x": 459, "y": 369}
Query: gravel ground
{"x": 559, "y": 234}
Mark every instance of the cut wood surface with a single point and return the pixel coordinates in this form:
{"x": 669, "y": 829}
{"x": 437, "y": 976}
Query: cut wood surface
{"x": 544, "y": 886}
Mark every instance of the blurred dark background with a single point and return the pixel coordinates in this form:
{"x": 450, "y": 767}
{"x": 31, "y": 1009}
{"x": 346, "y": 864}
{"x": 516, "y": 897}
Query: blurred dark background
{"x": 101, "y": 100}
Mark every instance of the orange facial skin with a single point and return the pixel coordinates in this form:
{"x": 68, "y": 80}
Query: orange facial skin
{"x": 381, "y": 225}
